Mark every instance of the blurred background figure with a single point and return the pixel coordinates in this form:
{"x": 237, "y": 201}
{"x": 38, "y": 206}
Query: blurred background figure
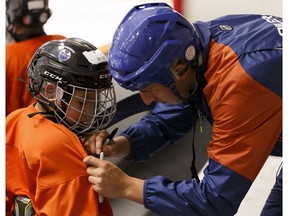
{"x": 24, "y": 34}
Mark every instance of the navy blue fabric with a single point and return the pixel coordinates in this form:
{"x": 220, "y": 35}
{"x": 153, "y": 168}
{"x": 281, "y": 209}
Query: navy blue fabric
{"x": 152, "y": 127}
{"x": 187, "y": 198}
{"x": 273, "y": 205}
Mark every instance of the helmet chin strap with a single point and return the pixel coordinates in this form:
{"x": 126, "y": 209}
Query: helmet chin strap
{"x": 175, "y": 91}
{"x": 191, "y": 92}
{"x": 47, "y": 112}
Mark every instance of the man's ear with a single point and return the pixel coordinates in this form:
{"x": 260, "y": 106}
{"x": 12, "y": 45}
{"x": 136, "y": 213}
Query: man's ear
{"x": 50, "y": 91}
{"x": 180, "y": 68}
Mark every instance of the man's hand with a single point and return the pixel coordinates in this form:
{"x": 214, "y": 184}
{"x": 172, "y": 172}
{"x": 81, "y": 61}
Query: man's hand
{"x": 116, "y": 147}
{"x": 110, "y": 181}
{"x": 94, "y": 143}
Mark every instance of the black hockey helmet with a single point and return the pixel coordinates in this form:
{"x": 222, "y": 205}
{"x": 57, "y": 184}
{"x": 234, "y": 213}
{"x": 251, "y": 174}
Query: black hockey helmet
{"x": 29, "y": 14}
{"x": 73, "y": 64}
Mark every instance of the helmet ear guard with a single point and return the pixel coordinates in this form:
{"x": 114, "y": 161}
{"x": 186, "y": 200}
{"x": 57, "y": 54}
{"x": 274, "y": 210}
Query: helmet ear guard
{"x": 48, "y": 91}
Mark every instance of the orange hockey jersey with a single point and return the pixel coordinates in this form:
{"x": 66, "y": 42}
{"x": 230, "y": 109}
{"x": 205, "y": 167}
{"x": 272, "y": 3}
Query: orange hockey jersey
{"x": 44, "y": 163}
{"x": 18, "y": 56}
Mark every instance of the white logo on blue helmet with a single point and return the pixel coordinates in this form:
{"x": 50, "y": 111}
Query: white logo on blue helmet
{"x": 64, "y": 55}
{"x": 190, "y": 53}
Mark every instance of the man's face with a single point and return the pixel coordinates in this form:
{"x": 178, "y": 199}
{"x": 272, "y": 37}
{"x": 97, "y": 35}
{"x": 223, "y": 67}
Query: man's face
{"x": 158, "y": 93}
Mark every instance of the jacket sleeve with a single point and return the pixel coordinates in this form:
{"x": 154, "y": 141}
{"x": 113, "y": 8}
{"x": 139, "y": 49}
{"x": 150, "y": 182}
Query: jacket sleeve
{"x": 215, "y": 195}
{"x": 166, "y": 124}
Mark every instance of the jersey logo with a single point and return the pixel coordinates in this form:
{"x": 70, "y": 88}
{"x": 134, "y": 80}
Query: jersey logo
{"x": 277, "y": 23}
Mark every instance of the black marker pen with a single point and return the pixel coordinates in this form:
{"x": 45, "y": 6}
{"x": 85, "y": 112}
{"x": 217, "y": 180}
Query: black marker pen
{"x": 110, "y": 137}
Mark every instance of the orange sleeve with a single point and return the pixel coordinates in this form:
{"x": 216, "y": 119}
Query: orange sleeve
{"x": 18, "y": 56}
{"x": 244, "y": 112}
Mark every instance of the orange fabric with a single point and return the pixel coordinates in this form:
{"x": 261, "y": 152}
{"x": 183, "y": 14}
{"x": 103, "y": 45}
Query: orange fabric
{"x": 243, "y": 112}
{"x": 18, "y": 56}
{"x": 44, "y": 162}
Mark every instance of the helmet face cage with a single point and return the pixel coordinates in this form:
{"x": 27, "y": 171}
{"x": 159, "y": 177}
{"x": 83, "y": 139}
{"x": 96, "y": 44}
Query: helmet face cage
{"x": 84, "y": 110}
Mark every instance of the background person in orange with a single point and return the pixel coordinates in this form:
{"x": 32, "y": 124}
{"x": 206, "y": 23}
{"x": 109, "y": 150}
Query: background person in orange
{"x": 24, "y": 34}
{"x": 75, "y": 97}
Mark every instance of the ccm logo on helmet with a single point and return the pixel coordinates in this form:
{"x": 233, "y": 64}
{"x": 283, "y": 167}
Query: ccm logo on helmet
{"x": 53, "y": 76}
{"x": 104, "y": 76}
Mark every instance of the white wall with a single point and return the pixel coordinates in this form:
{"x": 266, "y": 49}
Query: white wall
{"x": 206, "y": 9}
{"x": 96, "y": 20}
{"x": 93, "y": 20}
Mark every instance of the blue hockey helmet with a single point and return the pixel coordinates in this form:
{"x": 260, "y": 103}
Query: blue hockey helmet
{"x": 150, "y": 38}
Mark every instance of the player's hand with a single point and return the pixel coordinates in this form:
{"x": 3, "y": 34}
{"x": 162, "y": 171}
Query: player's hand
{"x": 94, "y": 144}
